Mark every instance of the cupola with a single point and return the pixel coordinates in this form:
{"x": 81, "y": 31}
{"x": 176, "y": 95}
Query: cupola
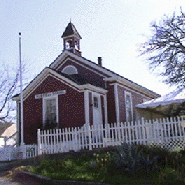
{"x": 71, "y": 39}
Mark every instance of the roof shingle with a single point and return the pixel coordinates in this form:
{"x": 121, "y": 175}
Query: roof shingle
{"x": 70, "y": 30}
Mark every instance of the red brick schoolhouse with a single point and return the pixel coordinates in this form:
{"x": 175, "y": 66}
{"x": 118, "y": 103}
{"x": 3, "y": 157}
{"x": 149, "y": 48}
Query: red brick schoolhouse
{"x": 73, "y": 91}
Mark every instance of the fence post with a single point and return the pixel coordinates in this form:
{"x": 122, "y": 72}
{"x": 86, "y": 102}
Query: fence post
{"x": 75, "y": 143}
{"x": 89, "y": 131}
{"x": 105, "y": 138}
{"x": 23, "y": 150}
{"x": 129, "y": 133}
{"x": 149, "y": 133}
{"x": 38, "y": 142}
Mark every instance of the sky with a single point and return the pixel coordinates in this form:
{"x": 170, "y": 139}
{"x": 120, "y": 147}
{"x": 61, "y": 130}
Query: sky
{"x": 111, "y": 29}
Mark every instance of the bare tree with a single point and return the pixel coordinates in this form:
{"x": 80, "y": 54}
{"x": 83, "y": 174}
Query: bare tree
{"x": 165, "y": 48}
{"x": 8, "y": 85}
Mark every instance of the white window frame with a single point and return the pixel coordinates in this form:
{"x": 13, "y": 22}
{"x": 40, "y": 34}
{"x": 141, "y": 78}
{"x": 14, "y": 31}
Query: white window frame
{"x": 44, "y": 107}
{"x": 70, "y": 66}
{"x": 130, "y": 95}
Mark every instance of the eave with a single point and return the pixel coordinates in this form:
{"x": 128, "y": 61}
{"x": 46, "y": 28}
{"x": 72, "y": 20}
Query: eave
{"x": 132, "y": 85}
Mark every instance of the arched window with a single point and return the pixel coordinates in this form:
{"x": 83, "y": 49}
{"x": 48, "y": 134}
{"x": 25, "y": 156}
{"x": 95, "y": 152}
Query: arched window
{"x": 70, "y": 70}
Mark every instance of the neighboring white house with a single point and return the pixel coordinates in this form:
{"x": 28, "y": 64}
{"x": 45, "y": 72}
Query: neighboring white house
{"x": 8, "y": 134}
{"x": 171, "y": 104}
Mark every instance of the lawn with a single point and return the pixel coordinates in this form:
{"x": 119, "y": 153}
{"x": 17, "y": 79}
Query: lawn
{"x": 128, "y": 164}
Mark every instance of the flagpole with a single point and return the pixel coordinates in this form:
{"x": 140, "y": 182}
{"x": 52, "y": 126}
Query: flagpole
{"x": 22, "y": 138}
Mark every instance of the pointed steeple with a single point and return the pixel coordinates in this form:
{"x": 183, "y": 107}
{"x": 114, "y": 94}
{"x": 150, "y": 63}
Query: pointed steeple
{"x": 71, "y": 39}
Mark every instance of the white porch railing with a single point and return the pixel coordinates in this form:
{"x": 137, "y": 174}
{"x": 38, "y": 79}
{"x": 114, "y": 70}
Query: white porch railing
{"x": 167, "y": 133}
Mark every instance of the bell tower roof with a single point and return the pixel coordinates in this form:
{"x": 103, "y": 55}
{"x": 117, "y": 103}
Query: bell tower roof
{"x": 71, "y": 39}
{"x": 70, "y": 30}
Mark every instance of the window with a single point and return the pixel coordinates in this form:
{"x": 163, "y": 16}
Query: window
{"x": 70, "y": 70}
{"x": 95, "y": 102}
{"x": 50, "y": 112}
{"x": 128, "y": 105}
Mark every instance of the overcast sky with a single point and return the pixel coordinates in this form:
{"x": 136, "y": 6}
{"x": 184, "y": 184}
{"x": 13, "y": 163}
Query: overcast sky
{"x": 111, "y": 29}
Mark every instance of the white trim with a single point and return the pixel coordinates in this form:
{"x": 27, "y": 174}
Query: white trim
{"x": 130, "y": 95}
{"x": 70, "y": 66}
{"x": 127, "y": 88}
{"x": 116, "y": 98}
{"x": 49, "y": 72}
{"x": 133, "y": 86}
{"x": 86, "y": 106}
{"x": 105, "y": 108}
{"x": 50, "y": 94}
{"x": 93, "y": 88}
{"x": 44, "y": 107}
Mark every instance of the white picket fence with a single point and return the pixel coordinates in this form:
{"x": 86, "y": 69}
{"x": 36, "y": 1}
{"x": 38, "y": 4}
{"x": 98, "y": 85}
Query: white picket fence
{"x": 27, "y": 151}
{"x": 168, "y": 133}
{"x": 11, "y": 152}
{"x": 8, "y": 153}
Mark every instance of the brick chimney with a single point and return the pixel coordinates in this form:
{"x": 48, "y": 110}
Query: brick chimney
{"x": 100, "y": 61}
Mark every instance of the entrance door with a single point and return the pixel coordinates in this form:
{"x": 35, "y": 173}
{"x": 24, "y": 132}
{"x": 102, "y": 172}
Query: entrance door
{"x": 97, "y": 113}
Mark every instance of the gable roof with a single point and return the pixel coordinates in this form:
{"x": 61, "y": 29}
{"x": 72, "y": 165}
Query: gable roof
{"x": 76, "y": 82}
{"x": 79, "y": 82}
{"x": 112, "y": 75}
{"x": 70, "y": 30}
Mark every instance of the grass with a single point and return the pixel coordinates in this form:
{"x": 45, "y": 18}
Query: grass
{"x": 100, "y": 167}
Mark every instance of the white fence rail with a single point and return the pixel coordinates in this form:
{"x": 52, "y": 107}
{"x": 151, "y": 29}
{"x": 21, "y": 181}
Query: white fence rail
{"x": 168, "y": 133}
{"x": 27, "y": 151}
{"x": 8, "y": 152}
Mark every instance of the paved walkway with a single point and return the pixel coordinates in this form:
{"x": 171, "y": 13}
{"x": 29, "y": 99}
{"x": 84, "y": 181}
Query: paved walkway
{"x": 19, "y": 178}
{"x": 5, "y": 182}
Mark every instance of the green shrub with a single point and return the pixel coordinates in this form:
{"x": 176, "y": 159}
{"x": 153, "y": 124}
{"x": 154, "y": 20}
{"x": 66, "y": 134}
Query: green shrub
{"x": 130, "y": 158}
{"x": 165, "y": 157}
{"x": 170, "y": 176}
